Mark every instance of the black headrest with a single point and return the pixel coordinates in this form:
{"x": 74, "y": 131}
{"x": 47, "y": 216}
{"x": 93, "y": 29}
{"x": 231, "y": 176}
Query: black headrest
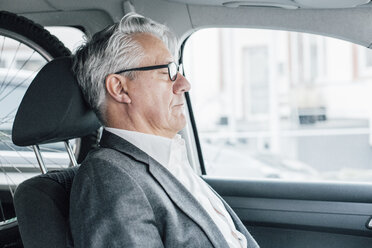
{"x": 53, "y": 108}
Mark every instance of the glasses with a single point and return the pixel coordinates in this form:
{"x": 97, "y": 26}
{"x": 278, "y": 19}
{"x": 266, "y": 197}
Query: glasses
{"x": 172, "y": 69}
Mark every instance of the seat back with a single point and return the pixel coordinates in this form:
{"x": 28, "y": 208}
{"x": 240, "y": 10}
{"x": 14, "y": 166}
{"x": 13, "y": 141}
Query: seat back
{"x": 42, "y": 207}
{"x": 52, "y": 110}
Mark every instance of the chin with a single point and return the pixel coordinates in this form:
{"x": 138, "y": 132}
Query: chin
{"x": 179, "y": 123}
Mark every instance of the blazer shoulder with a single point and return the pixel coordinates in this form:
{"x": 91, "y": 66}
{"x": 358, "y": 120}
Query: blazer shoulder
{"x": 107, "y": 161}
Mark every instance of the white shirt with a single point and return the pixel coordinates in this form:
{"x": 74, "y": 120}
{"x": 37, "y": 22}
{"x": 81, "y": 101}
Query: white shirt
{"x": 172, "y": 154}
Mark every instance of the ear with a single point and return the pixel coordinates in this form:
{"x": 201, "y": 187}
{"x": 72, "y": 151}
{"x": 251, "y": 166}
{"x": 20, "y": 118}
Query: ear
{"x": 116, "y": 86}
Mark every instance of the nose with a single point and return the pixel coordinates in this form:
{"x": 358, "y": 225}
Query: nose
{"x": 181, "y": 85}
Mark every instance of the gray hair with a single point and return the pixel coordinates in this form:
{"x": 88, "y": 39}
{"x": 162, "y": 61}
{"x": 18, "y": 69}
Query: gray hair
{"x": 111, "y": 50}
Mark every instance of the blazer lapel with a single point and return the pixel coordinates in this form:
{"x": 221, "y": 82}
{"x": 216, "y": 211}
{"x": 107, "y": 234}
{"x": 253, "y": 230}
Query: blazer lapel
{"x": 187, "y": 203}
{"x": 174, "y": 189}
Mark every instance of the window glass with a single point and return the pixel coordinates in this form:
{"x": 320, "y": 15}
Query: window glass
{"x": 71, "y": 37}
{"x": 283, "y": 105}
{"x": 19, "y": 64}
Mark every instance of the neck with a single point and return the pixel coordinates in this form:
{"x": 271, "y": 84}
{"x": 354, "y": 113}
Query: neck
{"x": 133, "y": 122}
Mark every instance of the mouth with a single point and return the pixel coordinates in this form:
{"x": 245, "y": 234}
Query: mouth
{"x": 178, "y": 105}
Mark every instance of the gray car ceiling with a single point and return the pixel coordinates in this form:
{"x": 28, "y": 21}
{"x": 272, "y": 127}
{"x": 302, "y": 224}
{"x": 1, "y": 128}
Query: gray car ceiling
{"x": 186, "y": 16}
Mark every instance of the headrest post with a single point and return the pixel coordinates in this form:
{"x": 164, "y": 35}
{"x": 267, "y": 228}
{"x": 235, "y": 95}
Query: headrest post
{"x": 70, "y": 153}
{"x": 40, "y": 159}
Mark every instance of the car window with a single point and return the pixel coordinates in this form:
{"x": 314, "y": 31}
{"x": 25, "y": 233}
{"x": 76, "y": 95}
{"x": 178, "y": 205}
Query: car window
{"x": 282, "y": 105}
{"x": 19, "y": 64}
{"x": 71, "y": 37}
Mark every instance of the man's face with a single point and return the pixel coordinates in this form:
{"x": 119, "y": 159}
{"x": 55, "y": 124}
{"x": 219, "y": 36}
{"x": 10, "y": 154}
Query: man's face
{"x": 156, "y": 101}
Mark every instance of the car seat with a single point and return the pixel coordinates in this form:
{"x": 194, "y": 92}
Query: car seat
{"x": 52, "y": 110}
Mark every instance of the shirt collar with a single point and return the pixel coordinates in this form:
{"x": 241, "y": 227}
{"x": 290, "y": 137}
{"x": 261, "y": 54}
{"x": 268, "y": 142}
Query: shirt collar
{"x": 158, "y": 147}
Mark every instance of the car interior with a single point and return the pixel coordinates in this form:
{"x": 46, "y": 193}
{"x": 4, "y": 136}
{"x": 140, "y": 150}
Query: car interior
{"x": 283, "y": 204}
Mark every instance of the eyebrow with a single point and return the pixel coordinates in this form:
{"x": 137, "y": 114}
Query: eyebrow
{"x": 167, "y": 61}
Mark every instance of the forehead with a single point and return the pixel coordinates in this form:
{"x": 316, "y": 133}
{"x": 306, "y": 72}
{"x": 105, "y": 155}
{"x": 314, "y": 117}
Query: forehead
{"x": 156, "y": 52}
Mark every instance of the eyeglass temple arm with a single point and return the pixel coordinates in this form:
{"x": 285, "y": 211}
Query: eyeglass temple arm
{"x": 146, "y": 68}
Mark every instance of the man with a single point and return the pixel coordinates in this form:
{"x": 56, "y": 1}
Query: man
{"x": 138, "y": 189}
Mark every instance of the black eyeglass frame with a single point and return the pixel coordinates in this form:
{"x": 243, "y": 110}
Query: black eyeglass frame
{"x": 154, "y": 67}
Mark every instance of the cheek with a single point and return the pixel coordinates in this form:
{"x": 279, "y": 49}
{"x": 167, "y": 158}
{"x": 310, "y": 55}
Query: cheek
{"x": 156, "y": 96}
{"x": 159, "y": 104}
{"x": 163, "y": 97}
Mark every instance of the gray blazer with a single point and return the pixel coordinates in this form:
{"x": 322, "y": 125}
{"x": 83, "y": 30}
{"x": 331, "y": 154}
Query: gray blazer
{"x": 121, "y": 197}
